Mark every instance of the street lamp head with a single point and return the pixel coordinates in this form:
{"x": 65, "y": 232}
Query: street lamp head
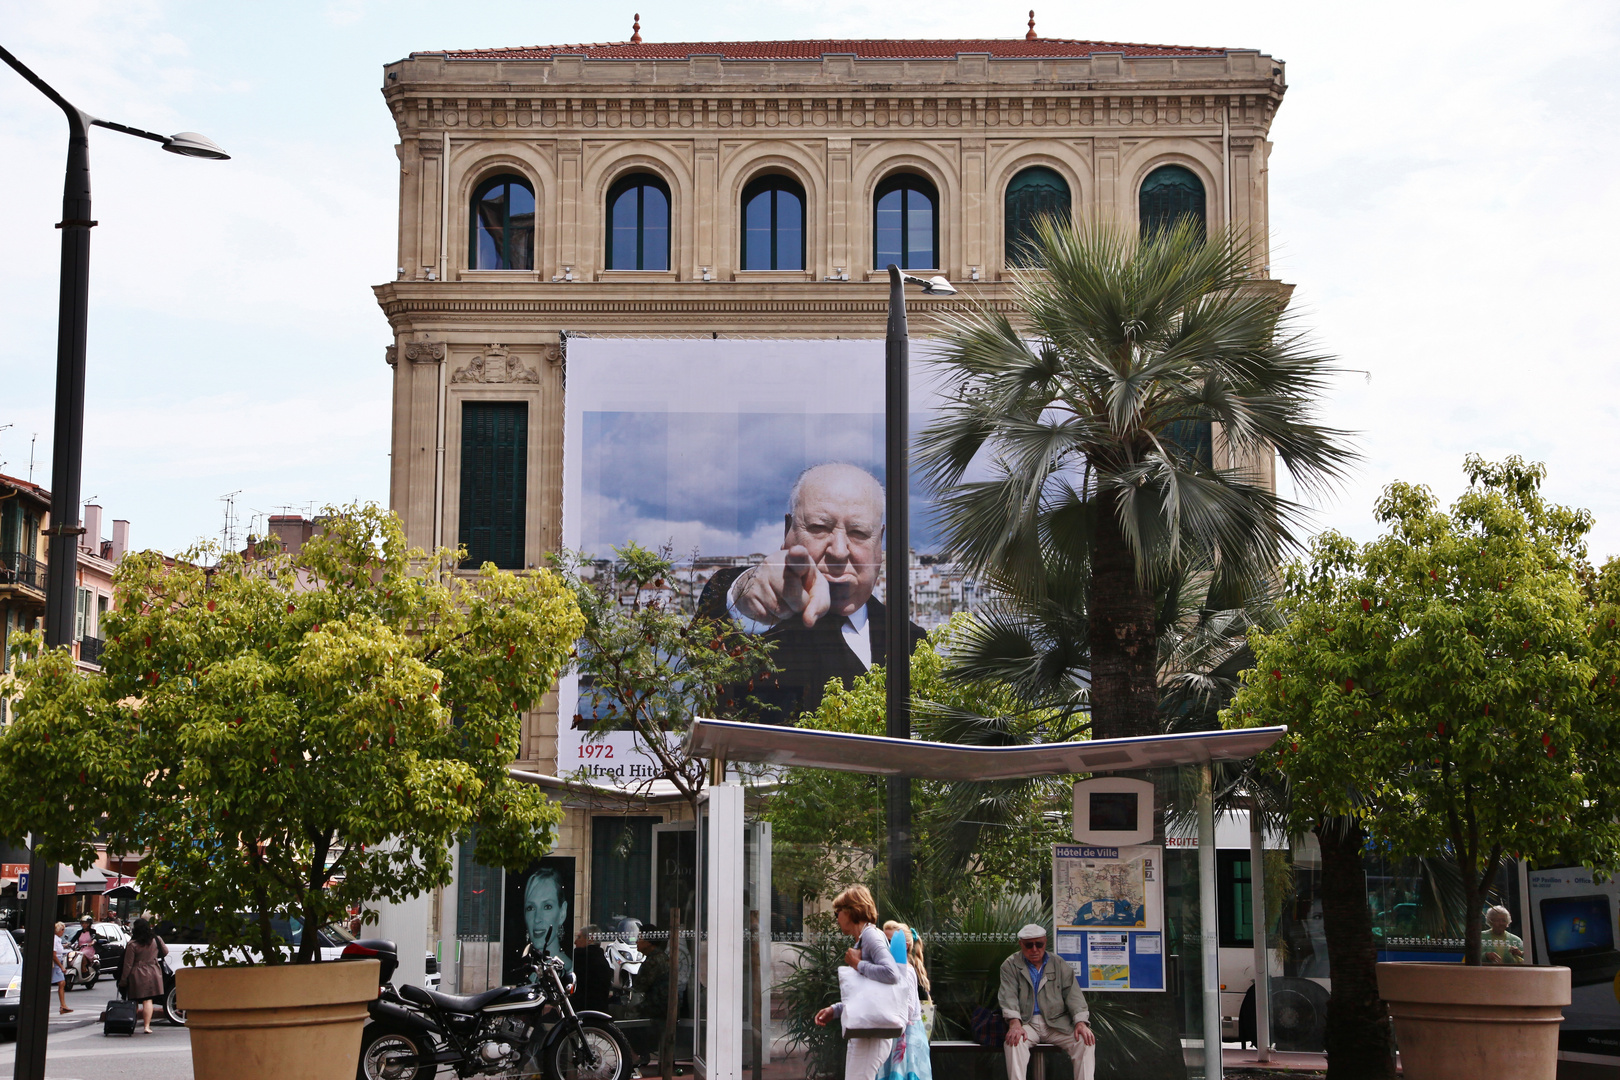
{"x": 191, "y": 144}
{"x": 938, "y": 286}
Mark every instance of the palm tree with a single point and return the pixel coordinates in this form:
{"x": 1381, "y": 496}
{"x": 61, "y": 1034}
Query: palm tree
{"x": 1072, "y": 444}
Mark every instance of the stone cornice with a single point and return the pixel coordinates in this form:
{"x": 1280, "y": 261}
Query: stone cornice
{"x": 641, "y": 112}
{"x": 784, "y": 309}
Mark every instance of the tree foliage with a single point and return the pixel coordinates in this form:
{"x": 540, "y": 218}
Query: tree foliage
{"x": 1451, "y": 685}
{"x": 648, "y": 669}
{"x": 984, "y": 837}
{"x": 1072, "y": 444}
{"x": 293, "y": 735}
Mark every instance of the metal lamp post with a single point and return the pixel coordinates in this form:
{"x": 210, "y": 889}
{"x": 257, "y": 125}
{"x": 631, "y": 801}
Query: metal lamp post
{"x": 65, "y": 530}
{"x": 897, "y": 624}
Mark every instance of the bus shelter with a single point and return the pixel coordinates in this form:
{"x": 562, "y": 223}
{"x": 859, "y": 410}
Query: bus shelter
{"x": 734, "y": 858}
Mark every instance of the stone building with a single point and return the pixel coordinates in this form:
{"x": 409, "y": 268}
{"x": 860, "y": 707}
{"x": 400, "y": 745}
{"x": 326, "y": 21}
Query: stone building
{"x": 745, "y": 189}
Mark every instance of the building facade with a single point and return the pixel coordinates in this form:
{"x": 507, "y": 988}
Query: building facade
{"x": 748, "y": 190}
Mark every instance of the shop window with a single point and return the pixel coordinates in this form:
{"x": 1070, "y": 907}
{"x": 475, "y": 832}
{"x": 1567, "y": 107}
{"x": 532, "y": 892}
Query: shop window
{"x": 638, "y": 224}
{"x": 1170, "y": 193}
{"x": 494, "y": 482}
{"x": 773, "y": 224}
{"x": 502, "y": 225}
{"x": 478, "y": 896}
{"x": 905, "y": 224}
{"x": 1033, "y": 194}
{"x": 621, "y": 870}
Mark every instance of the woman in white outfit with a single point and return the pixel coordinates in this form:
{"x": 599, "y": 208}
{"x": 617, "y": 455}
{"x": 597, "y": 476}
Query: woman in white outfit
{"x": 856, "y": 913}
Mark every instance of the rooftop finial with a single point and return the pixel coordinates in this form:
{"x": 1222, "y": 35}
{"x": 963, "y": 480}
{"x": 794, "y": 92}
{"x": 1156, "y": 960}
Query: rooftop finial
{"x": 635, "y": 30}
{"x": 1031, "y": 35}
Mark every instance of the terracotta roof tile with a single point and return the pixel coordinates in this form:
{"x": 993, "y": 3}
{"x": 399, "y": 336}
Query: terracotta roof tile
{"x": 872, "y": 49}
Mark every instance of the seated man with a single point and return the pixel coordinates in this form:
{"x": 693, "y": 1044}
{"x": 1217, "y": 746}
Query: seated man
{"x": 1043, "y": 1003}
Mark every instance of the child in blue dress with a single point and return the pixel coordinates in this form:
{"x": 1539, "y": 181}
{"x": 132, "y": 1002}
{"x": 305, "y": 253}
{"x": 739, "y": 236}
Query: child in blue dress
{"x": 910, "y": 1059}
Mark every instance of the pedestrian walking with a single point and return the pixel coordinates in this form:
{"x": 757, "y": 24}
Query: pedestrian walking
{"x": 59, "y": 967}
{"x": 856, "y": 913}
{"x": 910, "y": 1059}
{"x": 141, "y": 979}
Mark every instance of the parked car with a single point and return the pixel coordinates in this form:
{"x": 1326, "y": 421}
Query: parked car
{"x": 110, "y": 942}
{"x": 186, "y": 945}
{"x": 10, "y": 981}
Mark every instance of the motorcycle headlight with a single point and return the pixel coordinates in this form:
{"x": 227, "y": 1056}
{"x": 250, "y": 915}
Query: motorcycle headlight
{"x": 570, "y": 982}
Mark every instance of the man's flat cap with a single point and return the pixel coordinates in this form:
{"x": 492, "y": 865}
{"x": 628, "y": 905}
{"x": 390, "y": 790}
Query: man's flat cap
{"x": 1031, "y": 932}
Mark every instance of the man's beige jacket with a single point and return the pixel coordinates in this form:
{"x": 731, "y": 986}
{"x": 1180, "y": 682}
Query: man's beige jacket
{"x": 1062, "y": 1003}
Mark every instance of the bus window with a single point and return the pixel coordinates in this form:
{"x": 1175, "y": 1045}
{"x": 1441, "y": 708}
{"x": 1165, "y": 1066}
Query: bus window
{"x": 1235, "y": 899}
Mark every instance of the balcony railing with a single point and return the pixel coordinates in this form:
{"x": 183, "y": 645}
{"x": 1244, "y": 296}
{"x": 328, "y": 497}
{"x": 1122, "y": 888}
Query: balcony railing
{"x": 17, "y": 568}
{"x": 90, "y": 650}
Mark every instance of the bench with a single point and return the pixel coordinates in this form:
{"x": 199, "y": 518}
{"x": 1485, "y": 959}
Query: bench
{"x": 1037, "y": 1057}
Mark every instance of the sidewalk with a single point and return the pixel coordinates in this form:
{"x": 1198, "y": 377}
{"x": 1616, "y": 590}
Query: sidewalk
{"x": 1281, "y": 1062}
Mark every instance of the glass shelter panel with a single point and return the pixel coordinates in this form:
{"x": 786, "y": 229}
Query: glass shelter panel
{"x": 969, "y": 931}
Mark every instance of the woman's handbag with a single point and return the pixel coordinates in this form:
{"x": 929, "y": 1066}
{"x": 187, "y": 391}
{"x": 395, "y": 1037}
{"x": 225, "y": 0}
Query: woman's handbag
{"x": 875, "y": 1010}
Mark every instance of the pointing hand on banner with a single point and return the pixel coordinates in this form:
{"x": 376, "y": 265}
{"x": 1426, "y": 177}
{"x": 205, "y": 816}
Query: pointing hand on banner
{"x": 786, "y": 584}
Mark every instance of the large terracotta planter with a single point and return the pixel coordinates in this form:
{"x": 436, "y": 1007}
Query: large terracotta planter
{"x": 1461, "y": 1023}
{"x": 276, "y": 1023}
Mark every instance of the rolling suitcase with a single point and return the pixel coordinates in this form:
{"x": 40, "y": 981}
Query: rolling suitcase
{"x": 120, "y": 1018}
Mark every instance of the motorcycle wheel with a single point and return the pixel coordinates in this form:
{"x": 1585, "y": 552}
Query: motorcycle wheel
{"x": 594, "y": 1052}
{"x": 380, "y": 1046}
{"x": 172, "y": 1012}
{"x": 95, "y": 976}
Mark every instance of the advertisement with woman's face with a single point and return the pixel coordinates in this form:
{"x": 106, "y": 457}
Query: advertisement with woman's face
{"x": 539, "y": 914}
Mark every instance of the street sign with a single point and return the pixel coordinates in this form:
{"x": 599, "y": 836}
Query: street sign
{"x": 22, "y": 885}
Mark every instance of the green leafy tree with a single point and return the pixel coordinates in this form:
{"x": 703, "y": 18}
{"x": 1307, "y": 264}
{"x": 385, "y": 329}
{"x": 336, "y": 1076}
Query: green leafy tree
{"x": 648, "y": 669}
{"x": 981, "y": 838}
{"x": 1083, "y": 407}
{"x": 293, "y": 735}
{"x": 1449, "y": 691}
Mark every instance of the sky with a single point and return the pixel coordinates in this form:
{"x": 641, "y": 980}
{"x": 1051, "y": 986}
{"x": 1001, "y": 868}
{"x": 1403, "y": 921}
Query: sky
{"x": 1443, "y": 185}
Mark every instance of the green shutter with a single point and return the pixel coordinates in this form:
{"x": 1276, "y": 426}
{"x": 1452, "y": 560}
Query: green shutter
{"x": 1033, "y": 194}
{"x": 1169, "y": 194}
{"x": 494, "y": 482}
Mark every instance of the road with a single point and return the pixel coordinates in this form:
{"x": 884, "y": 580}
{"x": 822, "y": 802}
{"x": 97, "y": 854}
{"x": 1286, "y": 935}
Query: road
{"x": 77, "y": 1049}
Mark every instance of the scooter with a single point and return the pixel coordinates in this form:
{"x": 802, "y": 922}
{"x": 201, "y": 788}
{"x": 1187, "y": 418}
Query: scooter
{"x": 623, "y": 956}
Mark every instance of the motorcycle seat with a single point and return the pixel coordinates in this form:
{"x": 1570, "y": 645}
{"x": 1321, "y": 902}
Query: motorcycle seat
{"x": 459, "y": 1003}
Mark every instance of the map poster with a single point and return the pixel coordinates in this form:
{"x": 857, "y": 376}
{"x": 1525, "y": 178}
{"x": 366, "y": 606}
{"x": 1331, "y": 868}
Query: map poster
{"x": 1108, "y": 906}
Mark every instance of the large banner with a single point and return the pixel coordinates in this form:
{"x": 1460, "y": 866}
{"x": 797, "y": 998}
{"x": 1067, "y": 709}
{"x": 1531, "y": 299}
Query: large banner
{"x": 755, "y": 464}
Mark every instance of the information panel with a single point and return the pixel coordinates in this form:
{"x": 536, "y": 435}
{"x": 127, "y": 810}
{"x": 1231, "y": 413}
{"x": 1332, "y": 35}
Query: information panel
{"x": 1108, "y": 903}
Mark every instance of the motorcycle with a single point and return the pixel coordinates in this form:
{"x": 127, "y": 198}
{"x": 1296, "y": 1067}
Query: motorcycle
{"x": 526, "y": 1032}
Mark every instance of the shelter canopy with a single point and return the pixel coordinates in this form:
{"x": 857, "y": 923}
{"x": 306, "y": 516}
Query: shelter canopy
{"x": 883, "y": 756}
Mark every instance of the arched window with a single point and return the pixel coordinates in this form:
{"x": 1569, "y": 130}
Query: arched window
{"x": 1170, "y": 193}
{"x": 773, "y": 224}
{"x": 502, "y": 225}
{"x": 1033, "y": 194}
{"x": 905, "y": 228}
{"x": 638, "y": 224}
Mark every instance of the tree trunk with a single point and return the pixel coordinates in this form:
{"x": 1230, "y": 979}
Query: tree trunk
{"x": 1124, "y": 637}
{"x": 1125, "y": 702}
{"x": 1358, "y": 1029}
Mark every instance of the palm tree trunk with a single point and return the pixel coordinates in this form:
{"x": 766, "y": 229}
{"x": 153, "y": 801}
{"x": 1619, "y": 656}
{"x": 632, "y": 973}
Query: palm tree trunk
{"x": 1358, "y": 1028}
{"x": 1124, "y": 638}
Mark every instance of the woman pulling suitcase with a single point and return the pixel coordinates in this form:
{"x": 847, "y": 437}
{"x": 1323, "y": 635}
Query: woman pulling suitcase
{"x": 141, "y": 978}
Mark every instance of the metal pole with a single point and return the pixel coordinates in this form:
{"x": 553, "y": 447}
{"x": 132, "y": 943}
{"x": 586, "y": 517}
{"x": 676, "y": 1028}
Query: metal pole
{"x": 1208, "y": 920}
{"x": 1262, "y": 962}
{"x": 63, "y": 560}
{"x": 897, "y": 621}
